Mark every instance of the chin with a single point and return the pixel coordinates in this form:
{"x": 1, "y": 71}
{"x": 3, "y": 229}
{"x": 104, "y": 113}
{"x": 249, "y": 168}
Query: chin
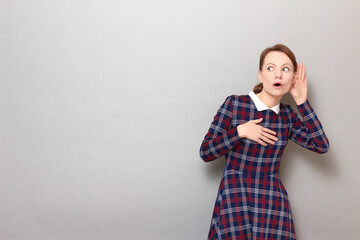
{"x": 278, "y": 94}
{"x": 275, "y": 93}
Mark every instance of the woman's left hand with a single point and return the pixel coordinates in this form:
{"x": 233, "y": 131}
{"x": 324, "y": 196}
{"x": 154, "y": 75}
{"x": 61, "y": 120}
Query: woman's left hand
{"x": 299, "y": 87}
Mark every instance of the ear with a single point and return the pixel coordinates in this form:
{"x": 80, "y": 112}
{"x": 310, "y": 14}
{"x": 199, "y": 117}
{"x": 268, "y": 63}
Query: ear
{"x": 260, "y": 75}
{"x": 294, "y": 77}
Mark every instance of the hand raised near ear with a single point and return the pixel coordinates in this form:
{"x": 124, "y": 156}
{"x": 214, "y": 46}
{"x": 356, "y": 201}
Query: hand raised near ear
{"x": 298, "y": 89}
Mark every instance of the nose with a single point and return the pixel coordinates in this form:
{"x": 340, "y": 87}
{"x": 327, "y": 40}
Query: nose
{"x": 278, "y": 74}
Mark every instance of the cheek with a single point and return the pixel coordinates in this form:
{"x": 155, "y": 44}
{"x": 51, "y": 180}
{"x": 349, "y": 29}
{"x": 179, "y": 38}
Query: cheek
{"x": 289, "y": 83}
{"x": 290, "y": 79}
{"x": 266, "y": 77}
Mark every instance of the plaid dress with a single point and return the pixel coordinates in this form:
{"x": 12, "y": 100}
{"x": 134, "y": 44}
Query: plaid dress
{"x": 252, "y": 203}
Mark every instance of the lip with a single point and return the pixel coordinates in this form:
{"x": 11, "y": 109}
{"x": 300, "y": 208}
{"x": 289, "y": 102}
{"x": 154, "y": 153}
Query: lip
{"x": 277, "y": 86}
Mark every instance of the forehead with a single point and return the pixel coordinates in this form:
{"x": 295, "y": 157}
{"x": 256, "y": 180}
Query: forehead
{"x": 278, "y": 58}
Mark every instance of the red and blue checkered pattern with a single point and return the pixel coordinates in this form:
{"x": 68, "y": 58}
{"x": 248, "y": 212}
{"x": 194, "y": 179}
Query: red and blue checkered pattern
{"x": 252, "y": 203}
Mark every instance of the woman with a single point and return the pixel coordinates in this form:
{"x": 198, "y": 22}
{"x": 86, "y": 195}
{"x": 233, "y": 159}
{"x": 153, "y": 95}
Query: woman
{"x": 252, "y": 132}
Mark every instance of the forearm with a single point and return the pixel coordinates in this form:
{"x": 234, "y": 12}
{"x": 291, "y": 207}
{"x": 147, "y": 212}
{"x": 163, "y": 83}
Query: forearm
{"x": 310, "y": 134}
{"x": 215, "y": 146}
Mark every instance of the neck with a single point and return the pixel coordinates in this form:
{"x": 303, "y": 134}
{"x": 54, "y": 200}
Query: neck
{"x": 269, "y": 100}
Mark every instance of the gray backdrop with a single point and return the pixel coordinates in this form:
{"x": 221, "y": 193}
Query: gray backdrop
{"x": 104, "y": 105}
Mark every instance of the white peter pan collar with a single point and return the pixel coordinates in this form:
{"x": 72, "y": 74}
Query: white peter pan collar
{"x": 260, "y": 106}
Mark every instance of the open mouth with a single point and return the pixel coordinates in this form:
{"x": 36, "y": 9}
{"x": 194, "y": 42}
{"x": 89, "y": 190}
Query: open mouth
{"x": 277, "y": 84}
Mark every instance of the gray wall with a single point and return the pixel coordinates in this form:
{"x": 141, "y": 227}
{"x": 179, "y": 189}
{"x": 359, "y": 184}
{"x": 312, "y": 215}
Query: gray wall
{"x": 104, "y": 105}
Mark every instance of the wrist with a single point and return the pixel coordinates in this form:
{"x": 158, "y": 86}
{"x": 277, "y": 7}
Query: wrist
{"x": 301, "y": 101}
{"x": 240, "y": 132}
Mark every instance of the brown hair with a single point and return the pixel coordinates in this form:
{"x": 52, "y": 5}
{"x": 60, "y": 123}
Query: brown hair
{"x": 277, "y": 47}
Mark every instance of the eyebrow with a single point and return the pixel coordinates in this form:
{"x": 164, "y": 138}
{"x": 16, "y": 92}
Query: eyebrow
{"x": 282, "y": 65}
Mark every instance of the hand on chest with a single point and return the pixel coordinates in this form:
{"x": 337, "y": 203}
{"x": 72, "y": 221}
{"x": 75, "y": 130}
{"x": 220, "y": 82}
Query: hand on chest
{"x": 281, "y": 124}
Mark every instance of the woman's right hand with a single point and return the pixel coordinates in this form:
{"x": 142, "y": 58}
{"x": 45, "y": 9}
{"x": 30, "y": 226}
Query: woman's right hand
{"x": 257, "y": 133}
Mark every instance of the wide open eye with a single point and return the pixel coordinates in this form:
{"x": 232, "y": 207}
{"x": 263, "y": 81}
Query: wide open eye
{"x": 270, "y": 68}
{"x": 286, "y": 69}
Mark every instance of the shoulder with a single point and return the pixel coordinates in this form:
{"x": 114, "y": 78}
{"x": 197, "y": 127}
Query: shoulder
{"x": 286, "y": 107}
{"x": 238, "y": 99}
{"x": 288, "y": 110}
{"x": 235, "y": 102}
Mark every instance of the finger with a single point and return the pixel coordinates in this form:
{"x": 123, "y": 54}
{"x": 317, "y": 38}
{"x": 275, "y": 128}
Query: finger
{"x": 266, "y": 140}
{"x": 302, "y": 72}
{"x": 261, "y": 142}
{"x": 270, "y": 137}
{"x": 268, "y": 131}
{"x": 269, "y": 141}
{"x": 298, "y": 71}
{"x": 257, "y": 120}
